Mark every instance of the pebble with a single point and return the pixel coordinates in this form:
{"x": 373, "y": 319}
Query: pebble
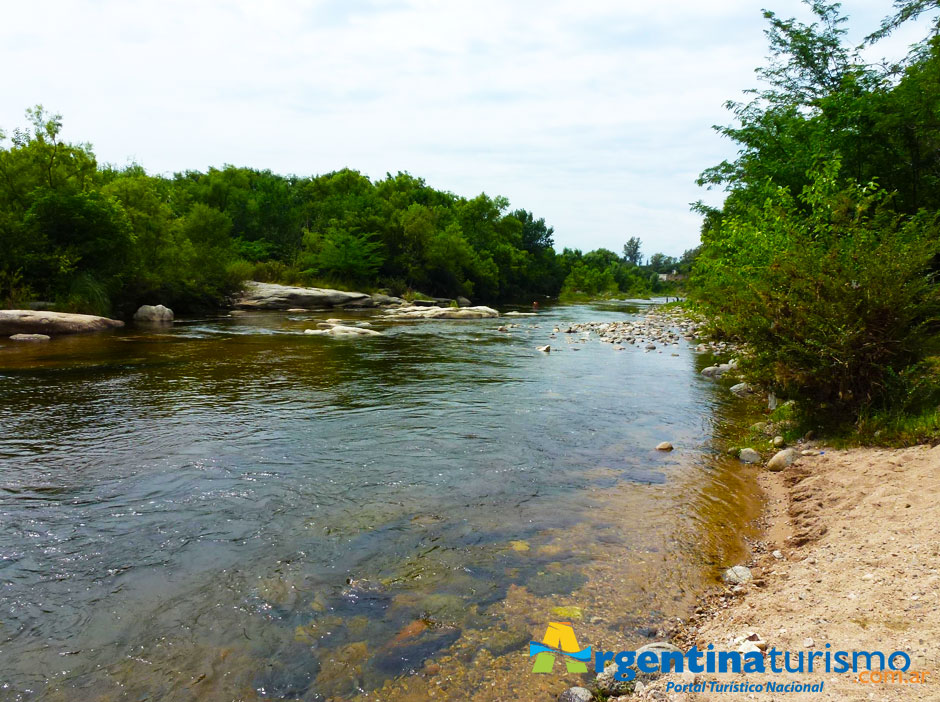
{"x": 737, "y": 575}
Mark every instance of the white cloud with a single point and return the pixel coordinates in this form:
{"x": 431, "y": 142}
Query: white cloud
{"x": 595, "y": 115}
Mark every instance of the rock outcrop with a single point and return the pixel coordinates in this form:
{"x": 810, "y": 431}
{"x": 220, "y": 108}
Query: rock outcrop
{"x": 52, "y": 323}
{"x": 270, "y": 296}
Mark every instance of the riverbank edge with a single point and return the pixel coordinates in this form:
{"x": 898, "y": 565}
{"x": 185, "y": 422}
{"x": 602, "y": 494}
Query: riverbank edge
{"x": 845, "y": 558}
{"x": 790, "y": 525}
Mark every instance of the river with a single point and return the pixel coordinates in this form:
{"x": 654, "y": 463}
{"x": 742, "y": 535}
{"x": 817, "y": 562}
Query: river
{"x": 229, "y": 509}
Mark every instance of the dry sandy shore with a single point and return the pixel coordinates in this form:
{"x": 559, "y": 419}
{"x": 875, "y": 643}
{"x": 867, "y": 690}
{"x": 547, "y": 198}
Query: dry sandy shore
{"x": 859, "y": 532}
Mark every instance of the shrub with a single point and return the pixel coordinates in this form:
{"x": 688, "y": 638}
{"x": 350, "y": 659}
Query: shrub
{"x": 832, "y": 293}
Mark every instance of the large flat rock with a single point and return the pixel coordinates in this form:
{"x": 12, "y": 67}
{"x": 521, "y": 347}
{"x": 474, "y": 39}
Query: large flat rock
{"x": 270, "y": 296}
{"x": 417, "y": 312}
{"x": 52, "y": 323}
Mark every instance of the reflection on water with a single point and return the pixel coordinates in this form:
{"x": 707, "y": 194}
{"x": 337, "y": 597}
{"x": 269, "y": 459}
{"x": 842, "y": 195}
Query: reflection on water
{"x": 229, "y": 509}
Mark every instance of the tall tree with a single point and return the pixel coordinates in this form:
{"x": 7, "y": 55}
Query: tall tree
{"x": 632, "y": 252}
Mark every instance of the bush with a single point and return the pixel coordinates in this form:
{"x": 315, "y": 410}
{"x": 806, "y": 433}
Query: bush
{"x": 832, "y": 293}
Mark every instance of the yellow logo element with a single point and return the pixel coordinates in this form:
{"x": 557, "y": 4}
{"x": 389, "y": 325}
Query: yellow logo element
{"x": 559, "y": 639}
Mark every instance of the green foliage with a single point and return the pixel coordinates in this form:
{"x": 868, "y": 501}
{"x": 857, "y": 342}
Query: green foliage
{"x": 346, "y": 254}
{"x": 13, "y": 289}
{"x": 832, "y": 292}
{"x": 106, "y": 239}
{"x": 824, "y": 256}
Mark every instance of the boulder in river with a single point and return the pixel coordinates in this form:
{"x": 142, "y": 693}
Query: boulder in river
{"x": 742, "y": 389}
{"x": 664, "y": 446}
{"x": 340, "y": 330}
{"x": 270, "y": 296}
{"x": 52, "y": 323}
{"x": 381, "y": 300}
{"x": 420, "y": 312}
{"x": 30, "y": 337}
{"x": 749, "y": 455}
{"x": 153, "y": 313}
{"x": 463, "y": 302}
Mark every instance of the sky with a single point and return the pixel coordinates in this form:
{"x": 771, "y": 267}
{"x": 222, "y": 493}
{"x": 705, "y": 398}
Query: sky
{"x": 594, "y": 114}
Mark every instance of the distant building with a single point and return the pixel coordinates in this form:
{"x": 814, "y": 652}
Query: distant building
{"x": 672, "y": 277}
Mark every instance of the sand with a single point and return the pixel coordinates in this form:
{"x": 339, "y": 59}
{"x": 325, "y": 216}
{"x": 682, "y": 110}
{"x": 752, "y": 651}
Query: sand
{"x": 859, "y": 532}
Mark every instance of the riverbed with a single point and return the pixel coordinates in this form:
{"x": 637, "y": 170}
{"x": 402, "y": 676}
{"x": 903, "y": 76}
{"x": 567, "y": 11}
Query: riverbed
{"x": 230, "y": 509}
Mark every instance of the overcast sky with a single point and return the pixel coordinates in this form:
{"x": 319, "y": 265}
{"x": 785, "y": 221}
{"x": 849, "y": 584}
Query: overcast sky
{"x": 595, "y": 114}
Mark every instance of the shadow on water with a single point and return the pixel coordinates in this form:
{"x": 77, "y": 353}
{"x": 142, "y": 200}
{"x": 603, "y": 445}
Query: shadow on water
{"x": 232, "y": 509}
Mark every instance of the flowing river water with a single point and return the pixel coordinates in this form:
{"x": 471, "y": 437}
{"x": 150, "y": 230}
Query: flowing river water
{"x": 228, "y": 509}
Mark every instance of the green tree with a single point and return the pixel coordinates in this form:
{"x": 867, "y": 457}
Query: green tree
{"x": 632, "y": 252}
{"x": 346, "y": 254}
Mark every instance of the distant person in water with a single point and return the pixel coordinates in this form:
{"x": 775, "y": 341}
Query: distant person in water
{"x": 535, "y": 305}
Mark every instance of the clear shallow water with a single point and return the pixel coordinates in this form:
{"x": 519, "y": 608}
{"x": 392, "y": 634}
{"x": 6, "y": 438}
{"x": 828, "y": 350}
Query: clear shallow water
{"x": 229, "y": 509}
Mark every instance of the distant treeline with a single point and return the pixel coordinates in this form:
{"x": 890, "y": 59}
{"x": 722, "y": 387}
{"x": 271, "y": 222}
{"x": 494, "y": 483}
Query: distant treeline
{"x": 101, "y": 239}
{"x": 825, "y": 256}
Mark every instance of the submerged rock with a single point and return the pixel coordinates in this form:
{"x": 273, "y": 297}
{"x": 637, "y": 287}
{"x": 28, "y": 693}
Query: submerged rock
{"x": 408, "y": 656}
{"x": 502, "y": 641}
{"x": 749, "y": 455}
{"x": 552, "y": 584}
{"x": 569, "y": 612}
{"x": 53, "y": 323}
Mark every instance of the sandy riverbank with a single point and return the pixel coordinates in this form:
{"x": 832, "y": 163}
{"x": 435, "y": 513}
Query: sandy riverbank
{"x": 859, "y": 535}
